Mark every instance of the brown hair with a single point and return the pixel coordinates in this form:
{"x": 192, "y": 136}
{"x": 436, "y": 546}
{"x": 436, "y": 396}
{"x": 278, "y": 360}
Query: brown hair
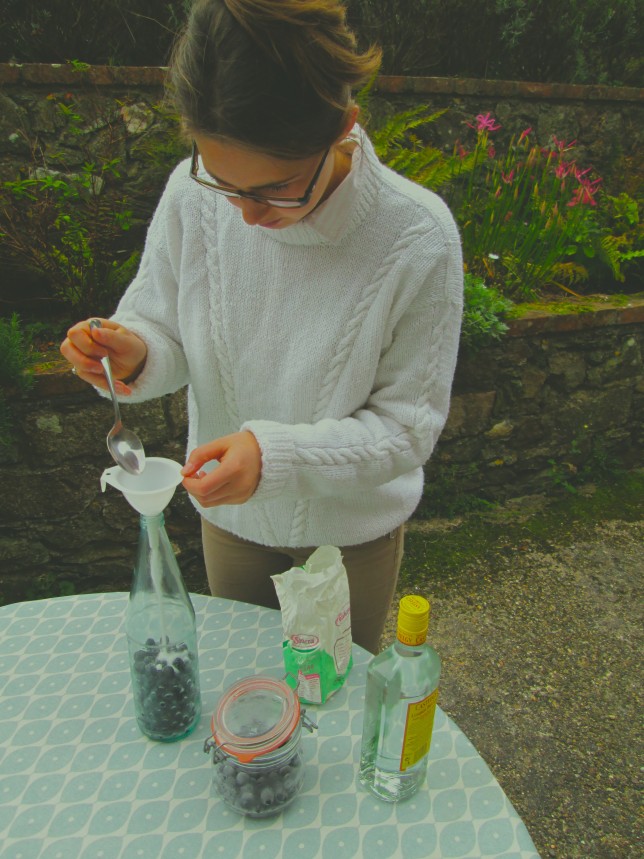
{"x": 273, "y": 75}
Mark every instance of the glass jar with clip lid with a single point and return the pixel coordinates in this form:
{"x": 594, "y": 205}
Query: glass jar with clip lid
{"x": 256, "y": 746}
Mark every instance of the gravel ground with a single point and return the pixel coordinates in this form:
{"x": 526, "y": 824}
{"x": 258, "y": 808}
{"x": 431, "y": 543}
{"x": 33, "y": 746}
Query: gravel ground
{"x": 541, "y": 640}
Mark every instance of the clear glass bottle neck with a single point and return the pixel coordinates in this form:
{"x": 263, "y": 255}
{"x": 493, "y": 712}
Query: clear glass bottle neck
{"x": 409, "y": 649}
{"x": 156, "y": 520}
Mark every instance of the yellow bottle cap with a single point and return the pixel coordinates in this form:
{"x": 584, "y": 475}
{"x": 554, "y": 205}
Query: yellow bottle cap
{"x": 413, "y": 619}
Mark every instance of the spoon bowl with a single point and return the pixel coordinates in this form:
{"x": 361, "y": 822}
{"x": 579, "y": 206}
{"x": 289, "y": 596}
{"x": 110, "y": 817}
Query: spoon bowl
{"x": 124, "y": 446}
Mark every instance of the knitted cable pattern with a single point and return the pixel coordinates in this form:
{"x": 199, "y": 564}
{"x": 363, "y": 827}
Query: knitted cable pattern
{"x": 371, "y": 289}
{"x": 344, "y": 430}
{"x": 217, "y": 328}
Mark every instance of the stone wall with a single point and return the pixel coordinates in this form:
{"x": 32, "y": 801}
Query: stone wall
{"x": 561, "y": 393}
{"x": 607, "y": 122}
{"x": 558, "y": 400}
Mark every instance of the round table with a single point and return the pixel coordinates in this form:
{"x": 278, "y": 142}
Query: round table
{"x": 79, "y": 781}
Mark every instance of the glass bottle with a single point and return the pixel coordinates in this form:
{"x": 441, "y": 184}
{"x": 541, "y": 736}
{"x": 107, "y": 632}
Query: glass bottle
{"x": 162, "y": 639}
{"x": 400, "y": 701}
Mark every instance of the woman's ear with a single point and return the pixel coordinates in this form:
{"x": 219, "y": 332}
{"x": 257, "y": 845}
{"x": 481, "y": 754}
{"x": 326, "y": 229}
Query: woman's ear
{"x": 352, "y": 117}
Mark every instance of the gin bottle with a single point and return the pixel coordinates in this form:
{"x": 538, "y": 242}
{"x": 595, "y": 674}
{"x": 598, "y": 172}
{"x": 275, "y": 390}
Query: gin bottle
{"x": 401, "y": 695}
{"x": 162, "y": 639}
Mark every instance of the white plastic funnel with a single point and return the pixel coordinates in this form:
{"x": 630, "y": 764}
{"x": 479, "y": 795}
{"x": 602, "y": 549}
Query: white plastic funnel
{"x": 150, "y": 491}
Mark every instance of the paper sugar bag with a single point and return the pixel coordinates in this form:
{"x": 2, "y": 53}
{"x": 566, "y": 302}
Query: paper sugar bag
{"x": 316, "y": 625}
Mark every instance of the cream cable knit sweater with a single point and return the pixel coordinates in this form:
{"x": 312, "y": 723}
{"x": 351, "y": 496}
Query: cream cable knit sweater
{"x": 334, "y": 341}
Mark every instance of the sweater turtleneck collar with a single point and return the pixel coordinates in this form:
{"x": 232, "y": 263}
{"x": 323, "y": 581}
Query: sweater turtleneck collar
{"x": 345, "y": 209}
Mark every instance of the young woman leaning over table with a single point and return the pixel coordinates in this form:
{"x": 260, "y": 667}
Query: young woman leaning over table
{"x": 308, "y": 296}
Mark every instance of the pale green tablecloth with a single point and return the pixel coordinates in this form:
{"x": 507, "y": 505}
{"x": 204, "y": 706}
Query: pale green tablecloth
{"x": 77, "y": 779}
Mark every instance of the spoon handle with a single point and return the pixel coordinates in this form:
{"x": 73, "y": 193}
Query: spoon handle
{"x": 110, "y": 382}
{"x": 107, "y": 368}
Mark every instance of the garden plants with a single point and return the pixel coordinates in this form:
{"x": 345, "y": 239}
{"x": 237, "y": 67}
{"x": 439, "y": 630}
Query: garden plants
{"x": 533, "y": 217}
{"x": 66, "y": 220}
{"x": 15, "y": 371}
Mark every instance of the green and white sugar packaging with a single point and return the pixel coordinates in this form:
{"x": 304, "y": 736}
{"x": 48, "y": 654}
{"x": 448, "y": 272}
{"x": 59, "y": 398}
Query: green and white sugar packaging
{"x": 316, "y": 625}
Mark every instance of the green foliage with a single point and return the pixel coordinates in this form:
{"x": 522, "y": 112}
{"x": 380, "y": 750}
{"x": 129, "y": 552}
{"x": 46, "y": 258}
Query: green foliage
{"x": 621, "y": 241}
{"x": 163, "y": 151}
{"x": 589, "y": 460}
{"x": 483, "y": 313}
{"x": 530, "y": 216}
{"x": 525, "y": 213}
{"x": 560, "y": 475}
{"x": 15, "y": 354}
{"x": 397, "y": 145}
{"x": 69, "y": 221}
{"x": 111, "y": 32}
{"x": 581, "y": 41}
{"x": 68, "y": 218}
{"x": 444, "y": 495}
{"x": 48, "y": 585}
{"x": 15, "y": 357}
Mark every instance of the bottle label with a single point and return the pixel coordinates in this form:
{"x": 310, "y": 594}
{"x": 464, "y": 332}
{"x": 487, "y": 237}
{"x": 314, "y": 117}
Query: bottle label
{"x": 418, "y": 730}
{"x": 411, "y": 639}
{"x": 309, "y": 687}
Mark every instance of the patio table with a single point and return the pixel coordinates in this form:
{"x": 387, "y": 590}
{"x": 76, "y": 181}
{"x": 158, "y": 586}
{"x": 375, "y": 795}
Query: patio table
{"x": 79, "y": 781}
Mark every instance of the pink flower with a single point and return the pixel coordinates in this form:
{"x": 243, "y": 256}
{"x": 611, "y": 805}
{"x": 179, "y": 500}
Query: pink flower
{"x": 508, "y": 177}
{"x": 584, "y": 193}
{"x": 561, "y": 146}
{"x": 564, "y": 168}
{"x": 579, "y": 174}
{"x": 524, "y": 134}
{"x": 484, "y": 122}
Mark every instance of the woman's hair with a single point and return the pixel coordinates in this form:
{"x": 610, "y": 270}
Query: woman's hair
{"x": 275, "y": 76}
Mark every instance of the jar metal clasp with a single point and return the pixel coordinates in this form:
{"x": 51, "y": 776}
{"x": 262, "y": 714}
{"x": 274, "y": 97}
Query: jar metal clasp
{"x": 307, "y": 722}
{"x": 210, "y": 745}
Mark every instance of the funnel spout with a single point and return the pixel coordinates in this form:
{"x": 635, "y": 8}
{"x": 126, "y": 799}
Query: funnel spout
{"x": 108, "y": 476}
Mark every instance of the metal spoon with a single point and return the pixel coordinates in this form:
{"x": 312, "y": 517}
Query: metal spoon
{"x": 124, "y": 445}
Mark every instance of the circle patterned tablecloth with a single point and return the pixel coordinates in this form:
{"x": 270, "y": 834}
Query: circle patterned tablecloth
{"x": 78, "y": 780}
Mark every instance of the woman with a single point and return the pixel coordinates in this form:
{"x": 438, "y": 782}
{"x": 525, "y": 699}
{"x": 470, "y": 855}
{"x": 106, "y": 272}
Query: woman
{"x": 309, "y": 297}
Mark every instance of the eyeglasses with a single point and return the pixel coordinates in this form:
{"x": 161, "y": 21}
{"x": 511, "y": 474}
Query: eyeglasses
{"x": 197, "y": 170}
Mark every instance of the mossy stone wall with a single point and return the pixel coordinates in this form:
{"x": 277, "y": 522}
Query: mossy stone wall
{"x": 561, "y": 395}
{"x": 607, "y": 123}
{"x": 560, "y": 400}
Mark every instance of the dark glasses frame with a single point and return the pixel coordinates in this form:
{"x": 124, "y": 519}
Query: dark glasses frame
{"x": 277, "y": 202}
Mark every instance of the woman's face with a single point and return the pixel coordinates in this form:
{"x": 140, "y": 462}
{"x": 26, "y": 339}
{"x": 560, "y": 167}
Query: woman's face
{"x": 243, "y": 170}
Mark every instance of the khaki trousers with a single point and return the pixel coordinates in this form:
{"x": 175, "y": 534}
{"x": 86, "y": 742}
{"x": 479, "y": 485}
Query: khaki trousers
{"x": 240, "y": 570}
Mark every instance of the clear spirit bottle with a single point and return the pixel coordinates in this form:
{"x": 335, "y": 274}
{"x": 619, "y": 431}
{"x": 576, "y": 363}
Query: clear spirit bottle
{"x": 401, "y": 696}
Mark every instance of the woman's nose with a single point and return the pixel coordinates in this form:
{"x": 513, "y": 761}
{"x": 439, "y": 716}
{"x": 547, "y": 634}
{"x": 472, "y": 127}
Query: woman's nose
{"x": 252, "y": 210}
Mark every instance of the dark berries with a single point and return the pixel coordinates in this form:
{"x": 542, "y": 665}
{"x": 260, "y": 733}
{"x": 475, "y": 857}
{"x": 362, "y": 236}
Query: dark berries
{"x": 261, "y": 789}
{"x": 166, "y": 699}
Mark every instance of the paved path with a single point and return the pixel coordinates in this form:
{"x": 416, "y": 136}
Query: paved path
{"x": 541, "y": 640}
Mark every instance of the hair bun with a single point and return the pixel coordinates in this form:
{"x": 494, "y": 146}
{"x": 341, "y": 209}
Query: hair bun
{"x": 275, "y": 75}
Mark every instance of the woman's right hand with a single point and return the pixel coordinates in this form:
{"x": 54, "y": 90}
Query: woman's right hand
{"x": 84, "y": 347}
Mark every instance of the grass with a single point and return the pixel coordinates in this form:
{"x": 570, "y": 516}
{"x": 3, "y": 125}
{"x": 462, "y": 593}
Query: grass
{"x": 563, "y": 305}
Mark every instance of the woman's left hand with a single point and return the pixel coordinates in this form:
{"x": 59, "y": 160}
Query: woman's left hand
{"x": 236, "y": 477}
